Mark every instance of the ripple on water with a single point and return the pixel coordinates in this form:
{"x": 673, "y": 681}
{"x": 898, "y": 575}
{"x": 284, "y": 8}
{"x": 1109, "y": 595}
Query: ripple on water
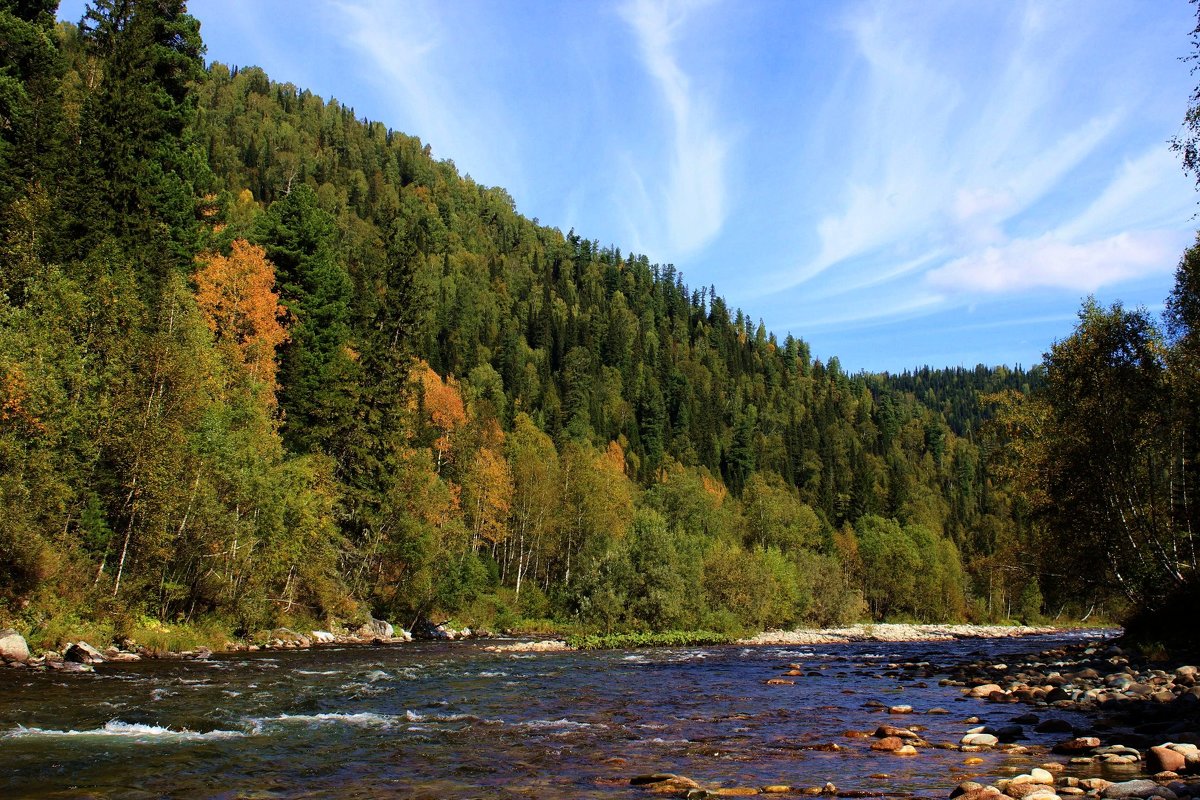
{"x": 451, "y": 722}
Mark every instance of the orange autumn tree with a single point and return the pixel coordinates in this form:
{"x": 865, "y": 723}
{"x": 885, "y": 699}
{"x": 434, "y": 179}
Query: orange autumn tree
{"x": 236, "y": 294}
{"x": 443, "y": 406}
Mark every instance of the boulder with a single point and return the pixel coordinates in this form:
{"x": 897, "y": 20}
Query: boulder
{"x": 1190, "y": 752}
{"x": 1138, "y": 789}
{"x": 1028, "y": 789}
{"x": 323, "y": 637}
{"x": 891, "y": 730}
{"x": 1164, "y": 759}
{"x": 888, "y": 744}
{"x": 984, "y": 691}
{"x": 1041, "y": 776}
{"x": 1082, "y": 744}
{"x": 375, "y": 629}
{"x": 1008, "y": 733}
{"x": 13, "y": 646}
{"x": 985, "y": 793}
{"x": 83, "y": 653}
{"x": 1053, "y": 725}
{"x": 665, "y": 783}
{"x": 980, "y": 740}
{"x": 1094, "y": 784}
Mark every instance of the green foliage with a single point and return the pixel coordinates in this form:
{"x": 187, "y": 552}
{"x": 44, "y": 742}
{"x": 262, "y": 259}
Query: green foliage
{"x": 622, "y": 641}
{"x": 1029, "y": 604}
{"x": 612, "y": 449}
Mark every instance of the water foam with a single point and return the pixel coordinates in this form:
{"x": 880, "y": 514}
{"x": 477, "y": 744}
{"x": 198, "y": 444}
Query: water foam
{"x": 558, "y": 724}
{"x": 413, "y": 716}
{"x": 128, "y": 730}
{"x": 362, "y": 718}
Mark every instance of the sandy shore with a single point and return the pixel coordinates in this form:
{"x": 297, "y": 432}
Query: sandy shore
{"x": 893, "y": 633}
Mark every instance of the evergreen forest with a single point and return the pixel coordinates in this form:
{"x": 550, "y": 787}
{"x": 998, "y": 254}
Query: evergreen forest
{"x": 264, "y": 362}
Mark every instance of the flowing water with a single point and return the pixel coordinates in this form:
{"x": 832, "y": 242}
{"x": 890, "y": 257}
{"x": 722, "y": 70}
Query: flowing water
{"x": 452, "y": 720}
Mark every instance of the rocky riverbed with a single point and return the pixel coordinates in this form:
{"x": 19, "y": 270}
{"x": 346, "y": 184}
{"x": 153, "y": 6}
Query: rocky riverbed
{"x": 1144, "y": 721}
{"x": 937, "y": 713}
{"x": 888, "y": 632}
{"x": 1132, "y": 731}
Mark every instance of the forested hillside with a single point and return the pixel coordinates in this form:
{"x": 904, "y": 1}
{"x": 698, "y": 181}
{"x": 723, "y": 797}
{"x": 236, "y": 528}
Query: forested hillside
{"x": 264, "y": 360}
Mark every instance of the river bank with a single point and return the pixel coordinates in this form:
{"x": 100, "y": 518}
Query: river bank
{"x": 890, "y": 632}
{"x": 81, "y": 655}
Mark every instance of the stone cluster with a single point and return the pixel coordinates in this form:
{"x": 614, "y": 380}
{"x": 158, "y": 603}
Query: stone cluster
{"x": 81, "y": 656}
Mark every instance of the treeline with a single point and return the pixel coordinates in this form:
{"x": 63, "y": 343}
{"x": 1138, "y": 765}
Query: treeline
{"x": 1107, "y": 455}
{"x": 262, "y": 359}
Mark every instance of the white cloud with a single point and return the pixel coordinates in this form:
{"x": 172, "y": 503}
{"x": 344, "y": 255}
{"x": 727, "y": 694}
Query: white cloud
{"x": 1048, "y": 262}
{"x": 692, "y": 194}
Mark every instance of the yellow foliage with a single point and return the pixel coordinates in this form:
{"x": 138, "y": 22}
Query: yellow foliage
{"x": 489, "y": 490}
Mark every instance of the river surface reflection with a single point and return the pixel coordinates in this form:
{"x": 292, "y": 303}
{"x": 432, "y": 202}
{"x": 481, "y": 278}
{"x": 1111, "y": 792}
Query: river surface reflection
{"x": 452, "y": 720}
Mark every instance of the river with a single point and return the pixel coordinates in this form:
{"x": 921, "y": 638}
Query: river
{"x": 452, "y": 720}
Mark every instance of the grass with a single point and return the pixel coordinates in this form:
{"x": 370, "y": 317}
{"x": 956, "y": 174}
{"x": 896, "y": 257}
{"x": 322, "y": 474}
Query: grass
{"x": 159, "y": 637}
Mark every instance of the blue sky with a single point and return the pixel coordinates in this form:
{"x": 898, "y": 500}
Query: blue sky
{"x": 898, "y": 183}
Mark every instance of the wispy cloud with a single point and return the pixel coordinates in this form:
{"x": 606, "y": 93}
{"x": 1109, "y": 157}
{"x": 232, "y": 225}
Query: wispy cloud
{"x": 438, "y": 88}
{"x": 690, "y": 200}
{"x": 967, "y": 175}
{"x": 401, "y": 50}
{"x": 873, "y": 314}
{"x": 939, "y": 161}
{"x": 1084, "y": 253}
{"x": 1047, "y": 262}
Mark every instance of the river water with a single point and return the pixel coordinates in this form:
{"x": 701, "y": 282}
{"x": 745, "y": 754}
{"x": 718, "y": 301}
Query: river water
{"x": 452, "y": 720}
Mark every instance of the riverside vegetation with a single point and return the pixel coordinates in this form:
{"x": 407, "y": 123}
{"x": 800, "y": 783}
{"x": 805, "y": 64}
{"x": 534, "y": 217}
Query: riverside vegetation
{"x": 265, "y": 363}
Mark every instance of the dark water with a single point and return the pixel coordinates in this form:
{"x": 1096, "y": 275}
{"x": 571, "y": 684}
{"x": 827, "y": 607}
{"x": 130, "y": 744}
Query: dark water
{"x": 454, "y": 721}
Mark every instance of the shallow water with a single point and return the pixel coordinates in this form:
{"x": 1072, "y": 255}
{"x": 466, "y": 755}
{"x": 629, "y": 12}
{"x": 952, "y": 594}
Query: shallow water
{"x": 451, "y": 720}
